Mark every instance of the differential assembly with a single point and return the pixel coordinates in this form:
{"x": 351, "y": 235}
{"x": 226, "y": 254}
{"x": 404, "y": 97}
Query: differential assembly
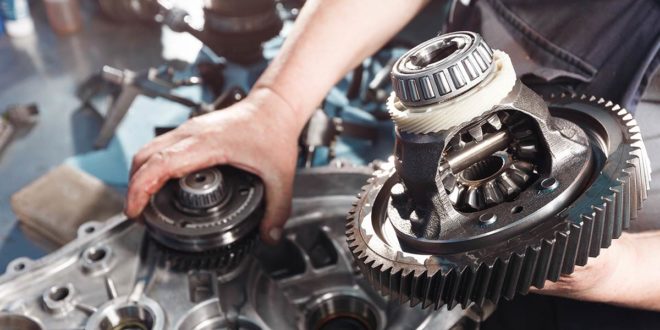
{"x": 207, "y": 219}
{"x": 494, "y": 189}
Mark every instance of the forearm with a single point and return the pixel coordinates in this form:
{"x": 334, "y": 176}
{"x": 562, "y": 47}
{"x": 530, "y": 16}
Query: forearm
{"x": 329, "y": 39}
{"x": 635, "y": 279}
{"x": 625, "y": 274}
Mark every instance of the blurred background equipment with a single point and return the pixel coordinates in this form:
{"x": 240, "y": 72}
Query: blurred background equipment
{"x": 63, "y": 15}
{"x": 16, "y": 121}
{"x": 234, "y": 29}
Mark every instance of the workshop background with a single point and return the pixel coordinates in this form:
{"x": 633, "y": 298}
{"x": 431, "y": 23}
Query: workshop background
{"x": 63, "y": 130}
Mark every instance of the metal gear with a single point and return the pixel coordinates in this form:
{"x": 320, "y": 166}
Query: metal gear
{"x": 499, "y": 177}
{"x": 222, "y": 259}
{"x": 207, "y": 219}
{"x": 588, "y": 175}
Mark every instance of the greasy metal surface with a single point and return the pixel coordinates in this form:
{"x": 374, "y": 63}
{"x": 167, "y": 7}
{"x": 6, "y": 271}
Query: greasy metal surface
{"x": 46, "y": 69}
{"x": 548, "y": 249}
{"x": 110, "y": 275}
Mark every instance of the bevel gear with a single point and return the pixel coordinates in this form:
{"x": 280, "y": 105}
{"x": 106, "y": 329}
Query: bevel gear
{"x": 207, "y": 219}
{"x": 587, "y": 175}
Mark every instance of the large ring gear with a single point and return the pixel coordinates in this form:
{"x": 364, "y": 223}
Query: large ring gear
{"x": 493, "y": 189}
{"x": 207, "y": 219}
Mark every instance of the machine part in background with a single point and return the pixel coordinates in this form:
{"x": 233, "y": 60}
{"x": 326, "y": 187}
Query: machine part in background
{"x": 233, "y": 29}
{"x": 6, "y": 132}
{"x": 515, "y": 195}
{"x": 111, "y": 278}
{"x": 130, "y": 10}
{"x": 324, "y": 131}
{"x": 15, "y": 121}
{"x": 207, "y": 219}
{"x": 154, "y": 82}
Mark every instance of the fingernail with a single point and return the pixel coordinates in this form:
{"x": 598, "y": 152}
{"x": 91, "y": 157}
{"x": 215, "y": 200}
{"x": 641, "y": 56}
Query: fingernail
{"x": 275, "y": 234}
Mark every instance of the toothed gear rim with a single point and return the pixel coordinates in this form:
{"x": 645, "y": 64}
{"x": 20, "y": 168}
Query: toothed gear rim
{"x": 546, "y": 251}
{"x": 221, "y": 259}
{"x": 202, "y": 229}
{"x": 441, "y": 68}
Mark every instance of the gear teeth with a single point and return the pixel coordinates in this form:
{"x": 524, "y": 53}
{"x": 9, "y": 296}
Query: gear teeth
{"x": 585, "y": 230}
{"x": 513, "y": 274}
{"x": 468, "y": 279}
{"x": 610, "y": 231}
{"x": 558, "y": 253}
{"x": 481, "y": 282}
{"x": 453, "y": 284}
{"x": 541, "y": 271}
{"x": 475, "y": 198}
{"x": 507, "y": 184}
{"x": 495, "y": 122}
{"x": 449, "y": 182}
{"x": 477, "y": 133}
{"x": 497, "y": 280}
{"x": 492, "y": 193}
{"x": 572, "y": 247}
{"x": 597, "y": 236}
{"x": 529, "y": 267}
{"x": 223, "y": 258}
{"x": 517, "y": 176}
{"x": 456, "y": 194}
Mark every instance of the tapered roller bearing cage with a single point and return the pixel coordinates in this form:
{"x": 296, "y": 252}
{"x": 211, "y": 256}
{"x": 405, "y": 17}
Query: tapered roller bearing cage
{"x": 588, "y": 177}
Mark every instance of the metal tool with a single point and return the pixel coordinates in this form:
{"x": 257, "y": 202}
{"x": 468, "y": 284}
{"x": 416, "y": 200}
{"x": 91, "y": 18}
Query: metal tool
{"x": 493, "y": 190}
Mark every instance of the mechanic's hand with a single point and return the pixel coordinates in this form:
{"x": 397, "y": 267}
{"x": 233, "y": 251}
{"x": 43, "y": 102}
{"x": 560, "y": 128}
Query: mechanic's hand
{"x": 258, "y": 134}
{"x": 600, "y": 279}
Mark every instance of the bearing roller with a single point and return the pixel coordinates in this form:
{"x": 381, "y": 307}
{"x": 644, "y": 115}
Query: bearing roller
{"x": 207, "y": 219}
{"x": 520, "y": 191}
{"x": 442, "y": 68}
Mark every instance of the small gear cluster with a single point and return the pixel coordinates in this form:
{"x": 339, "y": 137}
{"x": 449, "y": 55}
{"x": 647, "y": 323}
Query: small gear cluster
{"x": 207, "y": 219}
{"x": 521, "y": 193}
{"x": 499, "y": 177}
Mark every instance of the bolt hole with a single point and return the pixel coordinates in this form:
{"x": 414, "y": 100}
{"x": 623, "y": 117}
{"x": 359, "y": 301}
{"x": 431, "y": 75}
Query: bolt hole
{"x": 516, "y": 209}
{"x": 549, "y": 184}
{"x": 487, "y": 218}
{"x": 96, "y": 255}
{"x": 19, "y": 266}
{"x": 90, "y": 230}
{"x": 58, "y": 293}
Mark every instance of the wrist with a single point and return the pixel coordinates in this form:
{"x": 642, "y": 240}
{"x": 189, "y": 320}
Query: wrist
{"x": 618, "y": 286}
{"x": 270, "y": 103}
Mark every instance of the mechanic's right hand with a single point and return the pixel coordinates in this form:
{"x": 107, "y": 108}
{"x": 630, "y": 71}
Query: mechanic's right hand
{"x": 258, "y": 134}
